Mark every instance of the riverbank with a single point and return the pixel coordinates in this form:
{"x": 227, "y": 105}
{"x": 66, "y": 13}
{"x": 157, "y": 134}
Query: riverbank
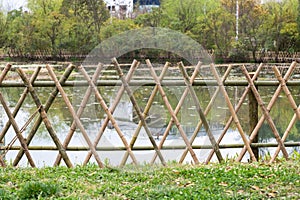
{"x": 228, "y": 180}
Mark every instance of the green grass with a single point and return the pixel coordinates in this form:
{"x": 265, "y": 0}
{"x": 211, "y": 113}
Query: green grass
{"x": 228, "y": 180}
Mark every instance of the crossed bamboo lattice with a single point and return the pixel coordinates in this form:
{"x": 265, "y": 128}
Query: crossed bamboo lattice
{"x": 158, "y": 89}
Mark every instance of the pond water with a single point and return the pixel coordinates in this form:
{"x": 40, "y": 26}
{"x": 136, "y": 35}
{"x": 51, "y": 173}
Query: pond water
{"x": 158, "y": 118}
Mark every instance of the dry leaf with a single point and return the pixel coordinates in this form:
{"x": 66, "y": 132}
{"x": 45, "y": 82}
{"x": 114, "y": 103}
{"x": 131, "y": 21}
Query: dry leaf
{"x": 271, "y": 194}
{"x": 223, "y": 184}
{"x": 255, "y": 187}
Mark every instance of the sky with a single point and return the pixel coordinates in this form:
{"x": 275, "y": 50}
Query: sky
{"x": 12, "y": 4}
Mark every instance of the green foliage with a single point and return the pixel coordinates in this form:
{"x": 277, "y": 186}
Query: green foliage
{"x": 52, "y": 28}
{"x": 35, "y": 190}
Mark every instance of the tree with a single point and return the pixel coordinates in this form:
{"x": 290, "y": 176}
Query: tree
{"x": 85, "y": 20}
{"x": 281, "y": 30}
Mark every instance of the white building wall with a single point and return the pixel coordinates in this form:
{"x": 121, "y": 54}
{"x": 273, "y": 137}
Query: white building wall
{"x": 120, "y": 8}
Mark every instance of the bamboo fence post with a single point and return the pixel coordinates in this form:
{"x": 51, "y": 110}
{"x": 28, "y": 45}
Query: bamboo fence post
{"x": 138, "y": 110}
{"x": 19, "y": 103}
{"x": 177, "y": 109}
{"x": 47, "y": 106}
{"x": 206, "y": 111}
{"x": 253, "y": 118}
{"x": 238, "y": 106}
{"x": 17, "y": 130}
{"x": 269, "y": 107}
{"x": 79, "y": 113}
{"x": 45, "y": 118}
{"x": 146, "y": 111}
{"x": 200, "y": 112}
{"x": 109, "y": 114}
{"x": 171, "y": 111}
{"x": 293, "y": 104}
{"x": 74, "y": 115}
{"x": 233, "y": 113}
{"x": 266, "y": 113}
{"x": 112, "y": 108}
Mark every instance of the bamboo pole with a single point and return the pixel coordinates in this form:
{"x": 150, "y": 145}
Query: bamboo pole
{"x": 233, "y": 113}
{"x": 138, "y": 110}
{"x": 112, "y": 108}
{"x": 238, "y": 106}
{"x": 150, "y": 83}
{"x": 206, "y": 111}
{"x": 2, "y": 76}
{"x": 44, "y": 117}
{"x": 285, "y": 135}
{"x": 200, "y": 112}
{"x": 108, "y": 113}
{"x": 293, "y": 104}
{"x": 79, "y": 113}
{"x": 17, "y": 130}
{"x": 177, "y": 109}
{"x": 172, "y": 113}
{"x": 270, "y": 105}
{"x": 19, "y": 103}
{"x": 74, "y": 115}
{"x": 146, "y": 111}
{"x": 286, "y": 91}
{"x": 149, "y": 148}
{"x": 47, "y": 106}
{"x": 4, "y": 72}
{"x": 266, "y": 113}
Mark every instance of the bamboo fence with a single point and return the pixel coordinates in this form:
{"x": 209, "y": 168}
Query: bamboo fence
{"x": 282, "y": 79}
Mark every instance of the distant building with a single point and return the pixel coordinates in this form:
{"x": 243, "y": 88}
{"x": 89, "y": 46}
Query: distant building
{"x": 146, "y": 5}
{"x": 119, "y": 8}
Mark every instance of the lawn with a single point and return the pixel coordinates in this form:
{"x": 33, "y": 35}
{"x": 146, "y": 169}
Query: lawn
{"x": 228, "y": 180}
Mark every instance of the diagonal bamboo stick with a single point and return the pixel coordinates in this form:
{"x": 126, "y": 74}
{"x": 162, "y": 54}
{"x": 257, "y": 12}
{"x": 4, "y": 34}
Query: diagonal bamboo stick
{"x": 79, "y": 113}
{"x": 112, "y": 108}
{"x": 2, "y": 76}
{"x": 108, "y": 113}
{"x": 286, "y": 91}
{"x": 233, "y": 113}
{"x": 138, "y": 110}
{"x": 19, "y": 103}
{"x": 146, "y": 111}
{"x": 285, "y": 134}
{"x": 269, "y": 107}
{"x": 172, "y": 113}
{"x": 206, "y": 111}
{"x": 44, "y": 117}
{"x": 177, "y": 109}
{"x": 74, "y": 115}
{"x": 200, "y": 112}
{"x": 39, "y": 120}
{"x": 266, "y": 113}
{"x": 4, "y": 72}
{"x": 17, "y": 130}
{"x": 293, "y": 104}
{"x": 238, "y": 106}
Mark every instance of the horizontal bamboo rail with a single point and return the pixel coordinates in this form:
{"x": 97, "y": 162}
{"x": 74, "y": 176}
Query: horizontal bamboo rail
{"x": 151, "y": 83}
{"x": 146, "y": 148}
{"x": 283, "y": 79}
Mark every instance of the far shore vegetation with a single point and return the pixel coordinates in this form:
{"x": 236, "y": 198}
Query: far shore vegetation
{"x": 69, "y": 30}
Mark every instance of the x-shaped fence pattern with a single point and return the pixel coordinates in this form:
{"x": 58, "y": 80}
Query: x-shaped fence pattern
{"x": 142, "y": 113}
